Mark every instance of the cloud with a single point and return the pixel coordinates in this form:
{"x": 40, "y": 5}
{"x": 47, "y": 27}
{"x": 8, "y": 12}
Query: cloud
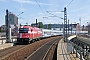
{"x": 25, "y": 1}
{"x": 22, "y": 9}
{"x": 21, "y": 4}
{"x": 30, "y": 2}
{"x": 81, "y": 8}
{"x": 82, "y": 15}
{"x": 40, "y": 13}
{"x": 86, "y": 18}
{"x": 3, "y": 0}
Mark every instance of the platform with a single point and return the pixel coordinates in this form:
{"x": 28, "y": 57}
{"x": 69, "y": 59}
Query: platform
{"x": 6, "y": 45}
{"x": 62, "y": 53}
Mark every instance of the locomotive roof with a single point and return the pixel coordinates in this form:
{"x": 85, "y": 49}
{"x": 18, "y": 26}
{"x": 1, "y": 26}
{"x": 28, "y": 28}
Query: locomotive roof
{"x": 25, "y": 26}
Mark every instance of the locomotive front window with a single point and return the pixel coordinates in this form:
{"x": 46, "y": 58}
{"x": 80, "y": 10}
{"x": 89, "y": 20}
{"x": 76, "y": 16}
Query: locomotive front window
{"x": 23, "y": 30}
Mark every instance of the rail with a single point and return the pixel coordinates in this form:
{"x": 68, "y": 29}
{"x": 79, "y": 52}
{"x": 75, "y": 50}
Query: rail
{"x": 46, "y": 54}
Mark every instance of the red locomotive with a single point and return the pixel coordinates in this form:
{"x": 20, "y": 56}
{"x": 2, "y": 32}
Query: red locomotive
{"x": 27, "y": 34}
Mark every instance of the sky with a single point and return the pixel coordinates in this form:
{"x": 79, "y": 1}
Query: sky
{"x": 37, "y": 9}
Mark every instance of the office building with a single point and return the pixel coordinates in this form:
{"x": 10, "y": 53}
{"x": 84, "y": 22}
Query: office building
{"x": 13, "y": 19}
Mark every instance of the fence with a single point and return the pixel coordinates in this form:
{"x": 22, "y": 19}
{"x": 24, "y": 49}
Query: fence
{"x": 3, "y": 39}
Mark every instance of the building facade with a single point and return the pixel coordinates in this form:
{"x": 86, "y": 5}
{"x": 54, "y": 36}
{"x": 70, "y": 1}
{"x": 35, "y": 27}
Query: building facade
{"x": 13, "y": 19}
{"x": 60, "y": 27}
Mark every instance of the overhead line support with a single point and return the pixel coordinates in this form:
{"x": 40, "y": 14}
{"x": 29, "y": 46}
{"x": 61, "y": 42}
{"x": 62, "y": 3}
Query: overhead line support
{"x": 65, "y": 25}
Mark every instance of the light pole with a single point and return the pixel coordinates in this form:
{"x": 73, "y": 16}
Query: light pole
{"x": 88, "y": 28}
{"x": 68, "y": 26}
{"x": 80, "y": 23}
{"x": 20, "y": 14}
{"x": 75, "y": 29}
{"x": 71, "y": 28}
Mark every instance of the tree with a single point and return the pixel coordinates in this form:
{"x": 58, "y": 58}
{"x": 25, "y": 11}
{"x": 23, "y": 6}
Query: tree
{"x": 40, "y": 24}
{"x": 49, "y": 26}
{"x": 32, "y": 24}
{"x": 20, "y": 24}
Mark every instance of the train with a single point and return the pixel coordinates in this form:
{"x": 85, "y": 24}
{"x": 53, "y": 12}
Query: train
{"x": 29, "y": 34}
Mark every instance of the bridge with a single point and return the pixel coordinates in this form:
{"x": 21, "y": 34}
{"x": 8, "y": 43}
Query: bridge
{"x": 77, "y": 47}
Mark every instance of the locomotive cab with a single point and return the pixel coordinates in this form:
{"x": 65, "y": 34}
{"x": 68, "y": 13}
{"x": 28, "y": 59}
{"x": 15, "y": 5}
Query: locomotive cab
{"x": 23, "y": 35}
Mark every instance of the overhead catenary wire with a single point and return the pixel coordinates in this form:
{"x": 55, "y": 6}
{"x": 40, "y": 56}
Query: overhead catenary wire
{"x": 66, "y": 6}
{"x": 20, "y": 13}
{"x": 55, "y": 11}
{"x": 40, "y": 7}
{"x": 69, "y": 3}
{"x": 54, "y": 15}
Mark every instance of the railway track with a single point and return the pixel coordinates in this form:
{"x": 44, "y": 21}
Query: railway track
{"x": 8, "y": 51}
{"x": 45, "y": 52}
{"x": 21, "y": 52}
{"x": 51, "y": 51}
